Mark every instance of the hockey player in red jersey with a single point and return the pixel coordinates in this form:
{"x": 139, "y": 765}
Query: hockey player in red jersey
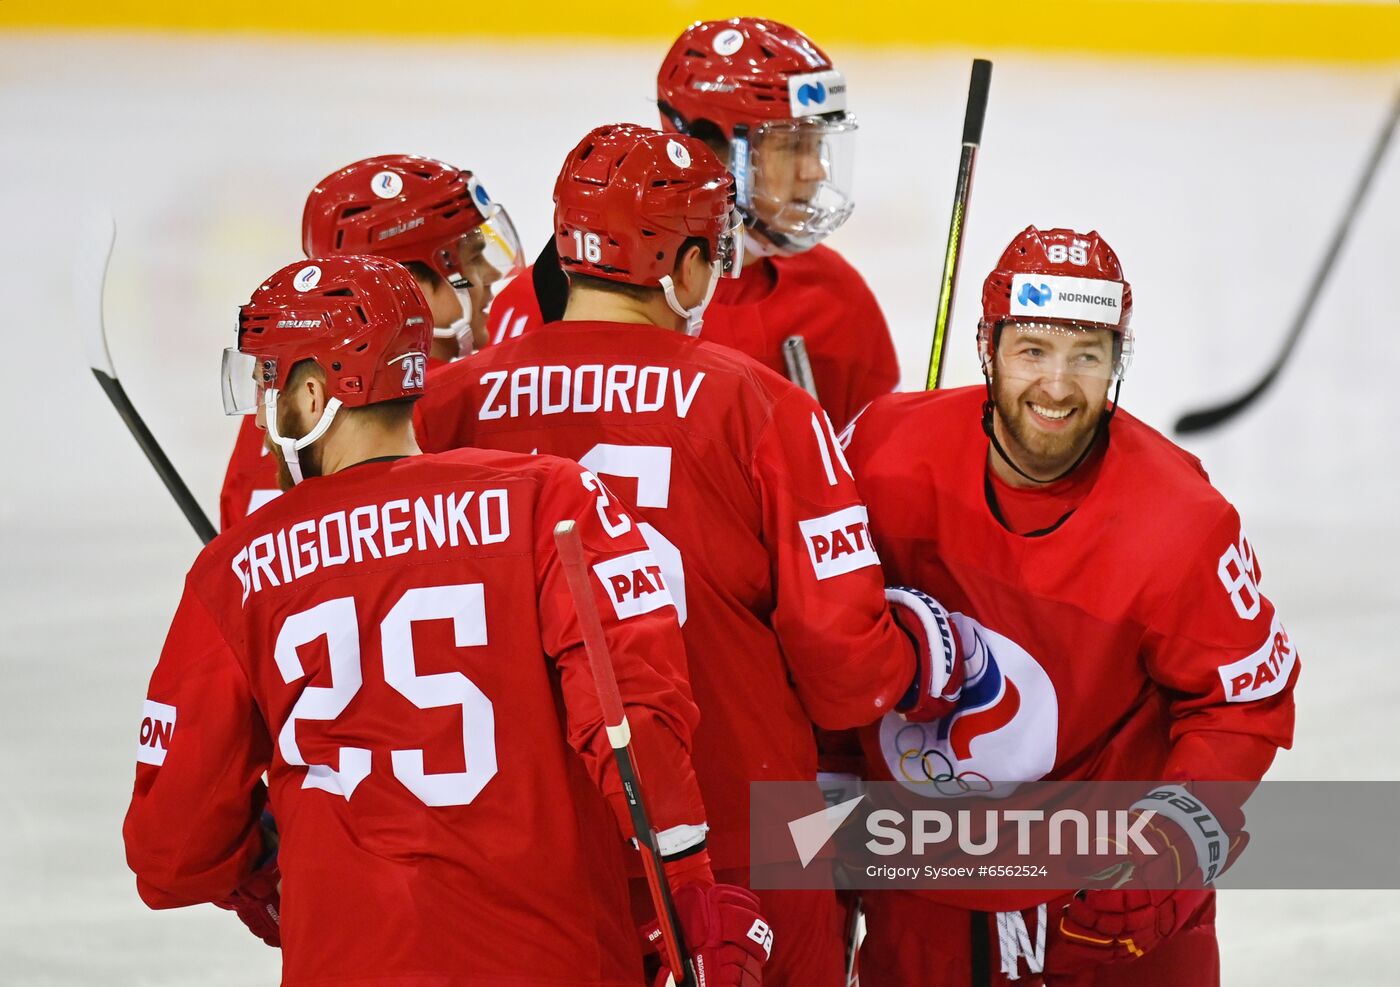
{"x": 771, "y": 104}
{"x": 436, "y": 220}
{"x": 393, "y": 643}
{"x": 737, "y": 476}
{"x": 1110, "y": 608}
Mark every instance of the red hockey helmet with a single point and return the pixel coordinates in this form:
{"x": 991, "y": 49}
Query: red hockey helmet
{"x": 1059, "y": 278}
{"x": 629, "y": 197}
{"x": 408, "y": 208}
{"x": 363, "y": 320}
{"x": 744, "y": 71}
{"x": 781, "y": 105}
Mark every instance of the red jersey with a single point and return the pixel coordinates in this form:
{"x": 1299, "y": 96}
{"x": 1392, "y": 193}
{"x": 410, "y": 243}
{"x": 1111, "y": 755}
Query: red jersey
{"x": 394, "y": 645}
{"x": 1131, "y": 641}
{"x": 751, "y": 511}
{"x": 815, "y": 294}
{"x": 251, "y": 477}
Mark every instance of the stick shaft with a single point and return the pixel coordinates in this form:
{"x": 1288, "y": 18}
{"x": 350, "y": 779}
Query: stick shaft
{"x": 978, "y": 88}
{"x": 89, "y": 290}
{"x": 194, "y": 514}
{"x": 1210, "y": 417}
{"x": 570, "y": 547}
{"x": 799, "y": 364}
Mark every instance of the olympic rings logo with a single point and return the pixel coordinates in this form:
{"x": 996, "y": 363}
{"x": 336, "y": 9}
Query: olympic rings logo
{"x": 922, "y": 764}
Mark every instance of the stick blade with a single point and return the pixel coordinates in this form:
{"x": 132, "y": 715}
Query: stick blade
{"x": 1205, "y": 419}
{"x": 95, "y": 242}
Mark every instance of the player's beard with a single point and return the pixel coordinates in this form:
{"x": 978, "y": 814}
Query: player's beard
{"x": 289, "y": 425}
{"x": 1038, "y": 451}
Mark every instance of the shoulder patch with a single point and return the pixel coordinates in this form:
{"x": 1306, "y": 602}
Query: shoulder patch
{"x": 157, "y": 729}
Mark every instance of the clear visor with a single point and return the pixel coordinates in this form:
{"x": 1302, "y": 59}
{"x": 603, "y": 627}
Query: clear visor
{"x": 243, "y": 381}
{"x": 800, "y": 181}
{"x": 731, "y": 247}
{"x": 1034, "y": 351}
{"x": 489, "y": 255}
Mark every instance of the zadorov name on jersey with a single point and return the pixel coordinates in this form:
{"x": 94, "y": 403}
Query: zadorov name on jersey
{"x": 839, "y": 543}
{"x": 527, "y": 391}
{"x": 1264, "y": 673}
{"x": 634, "y": 583}
{"x": 374, "y": 531}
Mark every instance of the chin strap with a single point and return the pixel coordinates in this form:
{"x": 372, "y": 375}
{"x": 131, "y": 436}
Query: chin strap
{"x": 989, "y": 406}
{"x": 694, "y": 317}
{"x": 292, "y": 447}
{"x": 460, "y": 329}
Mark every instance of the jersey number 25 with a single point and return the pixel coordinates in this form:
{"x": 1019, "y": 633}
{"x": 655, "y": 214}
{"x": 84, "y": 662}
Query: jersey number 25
{"x": 337, "y": 621}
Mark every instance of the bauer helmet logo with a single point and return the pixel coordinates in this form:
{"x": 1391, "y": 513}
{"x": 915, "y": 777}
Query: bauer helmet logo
{"x": 728, "y": 41}
{"x": 387, "y": 184}
{"x": 307, "y": 278}
{"x": 1031, "y": 295}
{"x": 812, "y": 92}
{"x": 679, "y": 156}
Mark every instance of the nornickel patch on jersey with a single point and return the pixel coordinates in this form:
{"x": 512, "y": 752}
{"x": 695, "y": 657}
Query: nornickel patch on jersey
{"x": 839, "y": 543}
{"x": 1264, "y": 673}
{"x": 157, "y": 727}
{"x": 634, "y": 583}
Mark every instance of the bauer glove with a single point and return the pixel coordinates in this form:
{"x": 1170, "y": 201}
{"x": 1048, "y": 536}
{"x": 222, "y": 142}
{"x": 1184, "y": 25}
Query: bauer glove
{"x": 939, "y": 672}
{"x": 1150, "y": 896}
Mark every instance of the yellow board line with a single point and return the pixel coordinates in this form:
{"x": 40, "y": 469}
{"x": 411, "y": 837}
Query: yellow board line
{"x": 1310, "y": 31}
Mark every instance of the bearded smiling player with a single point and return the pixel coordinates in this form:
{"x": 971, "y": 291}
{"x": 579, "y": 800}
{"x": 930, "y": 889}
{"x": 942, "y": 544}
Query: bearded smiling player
{"x": 1110, "y": 616}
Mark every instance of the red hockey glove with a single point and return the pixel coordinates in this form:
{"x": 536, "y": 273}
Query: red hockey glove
{"x": 258, "y": 902}
{"x": 1148, "y": 897}
{"x": 938, "y": 678}
{"x": 728, "y": 939}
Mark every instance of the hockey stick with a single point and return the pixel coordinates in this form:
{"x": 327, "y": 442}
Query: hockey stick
{"x": 1210, "y": 417}
{"x": 799, "y": 366}
{"x": 972, "y": 137}
{"x": 620, "y": 737}
{"x": 89, "y": 285}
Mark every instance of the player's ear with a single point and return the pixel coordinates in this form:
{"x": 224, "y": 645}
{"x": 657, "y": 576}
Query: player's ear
{"x": 692, "y": 269}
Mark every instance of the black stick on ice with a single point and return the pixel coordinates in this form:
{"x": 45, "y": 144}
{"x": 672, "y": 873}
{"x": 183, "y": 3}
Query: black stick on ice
{"x": 89, "y": 284}
{"x": 1207, "y": 418}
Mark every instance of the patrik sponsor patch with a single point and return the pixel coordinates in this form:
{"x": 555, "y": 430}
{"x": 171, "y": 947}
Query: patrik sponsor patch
{"x": 157, "y": 729}
{"x": 634, "y": 583}
{"x": 839, "y": 543}
{"x": 1264, "y": 673}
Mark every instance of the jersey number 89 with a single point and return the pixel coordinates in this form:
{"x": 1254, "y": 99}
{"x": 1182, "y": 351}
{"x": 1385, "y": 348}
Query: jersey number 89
{"x": 1239, "y": 574}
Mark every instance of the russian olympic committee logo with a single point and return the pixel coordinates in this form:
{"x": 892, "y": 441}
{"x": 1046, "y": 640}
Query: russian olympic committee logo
{"x": 1004, "y": 729}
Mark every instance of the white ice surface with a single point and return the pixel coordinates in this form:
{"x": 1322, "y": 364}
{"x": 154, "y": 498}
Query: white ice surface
{"x": 1217, "y": 184}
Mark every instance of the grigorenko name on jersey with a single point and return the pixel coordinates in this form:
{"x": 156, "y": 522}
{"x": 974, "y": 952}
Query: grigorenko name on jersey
{"x": 556, "y": 389}
{"x": 373, "y": 531}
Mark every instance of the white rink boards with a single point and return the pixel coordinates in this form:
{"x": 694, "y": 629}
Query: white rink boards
{"x": 1217, "y": 184}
